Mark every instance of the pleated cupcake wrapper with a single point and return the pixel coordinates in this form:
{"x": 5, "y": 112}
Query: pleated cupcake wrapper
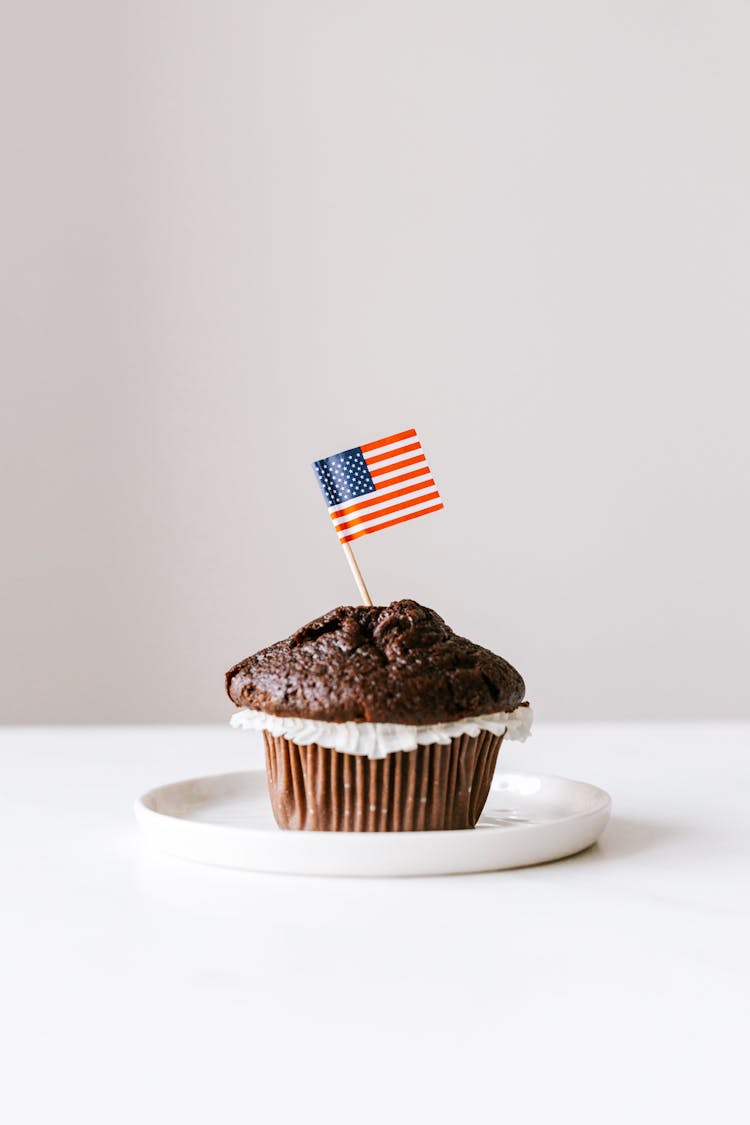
{"x": 431, "y": 788}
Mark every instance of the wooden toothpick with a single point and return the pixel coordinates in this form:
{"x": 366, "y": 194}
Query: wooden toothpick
{"x": 357, "y": 574}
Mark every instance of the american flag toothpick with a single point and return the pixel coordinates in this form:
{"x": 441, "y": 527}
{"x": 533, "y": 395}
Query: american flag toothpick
{"x": 375, "y": 486}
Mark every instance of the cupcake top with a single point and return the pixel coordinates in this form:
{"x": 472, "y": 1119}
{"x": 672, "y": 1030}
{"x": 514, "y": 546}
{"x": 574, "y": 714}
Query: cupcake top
{"x": 376, "y": 664}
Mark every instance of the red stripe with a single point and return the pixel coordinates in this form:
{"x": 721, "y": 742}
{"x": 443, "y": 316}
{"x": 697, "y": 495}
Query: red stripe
{"x": 387, "y": 440}
{"x": 379, "y": 499}
{"x": 390, "y": 523}
{"x": 387, "y": 511}
{"x": 399, "y": 465}
{"x": 394, "y": 453}
{"x": 406, "y": 476}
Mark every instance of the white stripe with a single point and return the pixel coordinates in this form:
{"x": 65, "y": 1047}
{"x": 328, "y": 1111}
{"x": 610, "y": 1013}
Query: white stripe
{"x": 386, "y": 489}
{"x": 368, "y": 521}
{"x": 354, "y": 500}
{"x": 421, "y": 468}
{"x": 378, "y": 513}
{"x": 392, "y": 448}
{"x": 385, "y": 503}
{"x": 394, "y": 459}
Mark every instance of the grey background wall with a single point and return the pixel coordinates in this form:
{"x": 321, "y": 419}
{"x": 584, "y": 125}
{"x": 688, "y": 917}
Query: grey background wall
{"x": 240, "y": 236}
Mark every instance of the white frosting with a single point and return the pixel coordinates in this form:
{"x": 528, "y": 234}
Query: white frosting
{"x": 376, "y": 740}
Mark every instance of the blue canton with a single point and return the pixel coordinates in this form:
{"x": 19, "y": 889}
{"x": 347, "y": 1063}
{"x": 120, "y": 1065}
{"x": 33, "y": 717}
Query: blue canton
{"x": 344, "y": 476}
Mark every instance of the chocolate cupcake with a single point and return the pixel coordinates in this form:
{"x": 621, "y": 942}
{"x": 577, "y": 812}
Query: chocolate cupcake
{"x": 379, "y": 719}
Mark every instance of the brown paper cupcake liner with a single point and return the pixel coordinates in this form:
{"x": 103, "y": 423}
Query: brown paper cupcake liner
{"x": 431, "y": 788}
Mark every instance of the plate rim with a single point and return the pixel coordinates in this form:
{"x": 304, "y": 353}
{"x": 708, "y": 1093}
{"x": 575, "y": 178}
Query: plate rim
{"x": 144, "y": 813}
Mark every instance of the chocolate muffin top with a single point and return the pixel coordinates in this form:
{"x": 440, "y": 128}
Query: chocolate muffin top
{"x": 376, "y": 664}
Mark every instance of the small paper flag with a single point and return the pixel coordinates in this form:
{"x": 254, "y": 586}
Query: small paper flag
{"x": 377, "y": 485}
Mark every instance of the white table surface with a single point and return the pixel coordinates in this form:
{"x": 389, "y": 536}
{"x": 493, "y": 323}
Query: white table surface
{"x": 611, "y": 987}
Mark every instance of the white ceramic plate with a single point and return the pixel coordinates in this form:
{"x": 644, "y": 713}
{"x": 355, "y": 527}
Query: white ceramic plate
{"x": 227, "y": 820}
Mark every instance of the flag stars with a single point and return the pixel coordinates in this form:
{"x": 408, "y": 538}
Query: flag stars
{"x": 344, "y": 477}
